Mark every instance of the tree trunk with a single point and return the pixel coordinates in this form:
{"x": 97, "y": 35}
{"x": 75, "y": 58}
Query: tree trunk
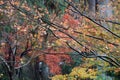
{"x": 103, "y": 8}
{"x": 92, "y": 6}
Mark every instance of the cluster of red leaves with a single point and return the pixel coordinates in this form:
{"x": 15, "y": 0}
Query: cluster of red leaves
{"x": 54, "y": 58}
{"x": 69, "y": 20}
{"x": 53, "y": 61}
{"x": 17, "y": 61}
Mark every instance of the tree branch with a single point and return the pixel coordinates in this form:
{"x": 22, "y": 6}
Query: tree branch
{"x": 92, "y": 20}
{"x": 101, "y": 39}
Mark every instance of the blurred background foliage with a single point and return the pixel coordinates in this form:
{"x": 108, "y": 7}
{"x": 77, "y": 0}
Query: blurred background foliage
{"x": 44, "y": 26}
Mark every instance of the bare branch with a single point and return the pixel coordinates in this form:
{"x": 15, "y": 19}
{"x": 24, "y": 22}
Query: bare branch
{"x": 26, "y": 62}
{"x": 105, "y": 58}
{"x": 101, "y": 39}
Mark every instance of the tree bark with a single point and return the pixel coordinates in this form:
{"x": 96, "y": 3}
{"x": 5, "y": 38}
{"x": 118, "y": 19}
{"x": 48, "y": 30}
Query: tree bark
{"x": 92, "y": 6}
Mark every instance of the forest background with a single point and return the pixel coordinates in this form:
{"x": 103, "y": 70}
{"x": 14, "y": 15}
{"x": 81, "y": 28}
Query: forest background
{"x": 59, "y": 39}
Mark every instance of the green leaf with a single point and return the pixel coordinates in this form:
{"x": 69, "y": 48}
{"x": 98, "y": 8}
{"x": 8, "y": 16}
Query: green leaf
{"x": 40, "y": 3}
{"x": 7, "y": 28}
{"x": 30, "y": 3}
{"x": 45, "y": 19}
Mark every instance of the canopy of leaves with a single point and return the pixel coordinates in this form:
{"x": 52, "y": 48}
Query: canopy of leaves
{"x": 50, "y": 30}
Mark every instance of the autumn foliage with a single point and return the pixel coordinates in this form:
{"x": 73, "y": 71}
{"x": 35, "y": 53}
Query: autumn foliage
{"x": 50, "y": 31}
